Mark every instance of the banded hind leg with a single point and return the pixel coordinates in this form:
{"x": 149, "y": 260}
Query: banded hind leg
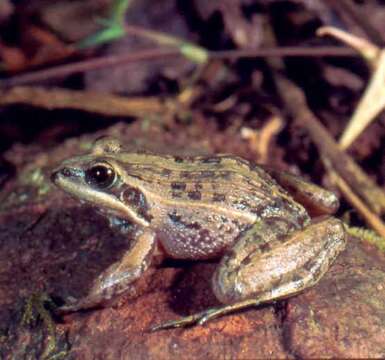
{"x": 265, "y": 265}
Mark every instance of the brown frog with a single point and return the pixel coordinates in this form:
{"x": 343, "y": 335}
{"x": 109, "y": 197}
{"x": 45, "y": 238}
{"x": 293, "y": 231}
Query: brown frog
{"x": 206, "y": 207}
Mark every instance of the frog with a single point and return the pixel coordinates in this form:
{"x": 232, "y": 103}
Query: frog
{"x": 272, "y": 234}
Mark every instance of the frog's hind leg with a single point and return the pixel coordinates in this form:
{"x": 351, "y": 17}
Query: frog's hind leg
{"x": 251, "y": 274}
{"x": 281, "y": 267}
{"x": 118, "y": 277}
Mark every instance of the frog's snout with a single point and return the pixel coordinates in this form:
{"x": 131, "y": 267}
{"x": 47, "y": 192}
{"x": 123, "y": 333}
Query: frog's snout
{"x": 65, "y": 172}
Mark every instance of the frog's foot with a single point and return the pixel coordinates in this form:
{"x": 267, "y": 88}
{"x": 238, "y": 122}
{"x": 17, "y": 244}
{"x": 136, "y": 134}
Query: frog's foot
{"x": 207, "y": 315}
{"x": 72, "y": 304}
{"x": 182, "y": 322}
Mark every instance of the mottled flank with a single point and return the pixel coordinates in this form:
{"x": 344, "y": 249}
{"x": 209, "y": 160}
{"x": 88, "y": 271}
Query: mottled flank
{"x": 174, "y": 217}
{"x": 177, "y": 220}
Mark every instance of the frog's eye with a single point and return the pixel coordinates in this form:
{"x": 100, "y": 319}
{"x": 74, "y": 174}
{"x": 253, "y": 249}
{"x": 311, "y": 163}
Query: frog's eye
{"x": 100, "y": 175}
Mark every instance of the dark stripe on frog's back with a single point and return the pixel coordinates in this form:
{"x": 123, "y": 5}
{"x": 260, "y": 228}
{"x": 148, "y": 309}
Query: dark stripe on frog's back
{"x": 205, "y": 179}
{"x": 175, "y": 169}
{"x": 179, "y": 164}
{"x": 207, "y": 186}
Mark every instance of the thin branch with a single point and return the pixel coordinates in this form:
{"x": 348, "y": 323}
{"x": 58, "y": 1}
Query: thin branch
{"x": 361, "y": 20}
{"x": 342, "y": 163}
{"x": 370, "y": 217}
{"x": 152, "y": 54}
{"x": 87, "y": 65}
{"x": 288, "y": 51}
{"x": 372, "y": 102}
{"x": 99, "y": 103}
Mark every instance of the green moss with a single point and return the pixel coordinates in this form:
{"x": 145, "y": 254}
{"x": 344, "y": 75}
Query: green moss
{"x": 37, "y": 309}
{"x": 367, "y": 235}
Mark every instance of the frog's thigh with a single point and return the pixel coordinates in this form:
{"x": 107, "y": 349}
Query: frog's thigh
{"x": 317, "y": 200}
{"x": 118, "y": 277}
{"x": 280, "y": 267}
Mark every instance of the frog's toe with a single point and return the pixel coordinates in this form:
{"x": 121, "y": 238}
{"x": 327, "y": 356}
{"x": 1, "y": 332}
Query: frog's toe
{"x": 195, "y": 319}
{"x": 182, "y": 322}
{"x": 173, "y": 324}
{"x": 166, "y": 325}
{"x": 72, "y": 304}
{"x": 210, "y": 314}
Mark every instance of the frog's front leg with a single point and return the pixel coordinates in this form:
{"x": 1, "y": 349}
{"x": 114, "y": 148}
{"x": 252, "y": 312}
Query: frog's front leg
{"x": 265, "y": 265}
{"x": 120, "y": 275}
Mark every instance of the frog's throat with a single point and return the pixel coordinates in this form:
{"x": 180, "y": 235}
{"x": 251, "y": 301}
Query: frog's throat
{"x": 101, "y": 200}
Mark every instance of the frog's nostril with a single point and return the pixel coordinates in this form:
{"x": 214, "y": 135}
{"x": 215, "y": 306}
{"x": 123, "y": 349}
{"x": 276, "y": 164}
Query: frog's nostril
{"x": 67, "y": 172}
{"x": 64, "y": 172}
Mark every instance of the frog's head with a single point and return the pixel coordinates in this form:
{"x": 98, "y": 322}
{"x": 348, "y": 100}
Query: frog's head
{"x": 99, "y": 179}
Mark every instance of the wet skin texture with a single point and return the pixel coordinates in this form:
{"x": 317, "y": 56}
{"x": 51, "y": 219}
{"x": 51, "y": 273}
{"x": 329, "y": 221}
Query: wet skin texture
{"x": 202, "y": 208}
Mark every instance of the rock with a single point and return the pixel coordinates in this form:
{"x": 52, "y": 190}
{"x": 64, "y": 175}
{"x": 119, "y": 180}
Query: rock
{"x": 52, "y": 245}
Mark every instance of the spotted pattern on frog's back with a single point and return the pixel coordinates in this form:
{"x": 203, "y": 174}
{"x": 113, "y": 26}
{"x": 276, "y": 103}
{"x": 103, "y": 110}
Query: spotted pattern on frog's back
{"x": 229, "y": 183}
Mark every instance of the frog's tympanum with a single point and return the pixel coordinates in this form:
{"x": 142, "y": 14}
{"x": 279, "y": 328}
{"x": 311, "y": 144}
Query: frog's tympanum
{"x": 207, "y": 207}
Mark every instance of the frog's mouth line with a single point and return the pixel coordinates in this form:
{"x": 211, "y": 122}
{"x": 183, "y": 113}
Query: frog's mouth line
{"x": 96, "y": 197}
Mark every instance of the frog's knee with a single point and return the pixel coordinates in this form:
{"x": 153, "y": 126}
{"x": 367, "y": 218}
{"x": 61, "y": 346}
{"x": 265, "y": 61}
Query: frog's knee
{"x": 332, "y": 229}
{"x": 224, "y": 287}
{"x": 231, "y": 285}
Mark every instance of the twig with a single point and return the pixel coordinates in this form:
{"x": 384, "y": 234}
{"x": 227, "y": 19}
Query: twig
{"x": 357, "y": 187}
{"x": 152, "y": 54}
{"x": 287, "y": 51}
{"x": 100, "y": 103}
{"x": 260, "y": 140}
{"x": 158, "y": 37}
{"x": 347, "y": 7}
{"x": 341, "y": 162}
{"x": 81, "y": 66}
{"x": 372, "y": 101}
{"x": 371, "y": 218}
{"x": 295, "y": 102}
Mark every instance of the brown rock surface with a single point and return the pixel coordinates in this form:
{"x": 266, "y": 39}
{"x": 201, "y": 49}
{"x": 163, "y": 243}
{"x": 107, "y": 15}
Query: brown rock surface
{"x": 344, "y": 316}
{"x": 51, "y": 244}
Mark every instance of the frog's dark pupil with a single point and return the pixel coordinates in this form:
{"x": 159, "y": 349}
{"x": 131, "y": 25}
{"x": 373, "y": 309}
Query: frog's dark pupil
{"x": 100, "y": 175}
